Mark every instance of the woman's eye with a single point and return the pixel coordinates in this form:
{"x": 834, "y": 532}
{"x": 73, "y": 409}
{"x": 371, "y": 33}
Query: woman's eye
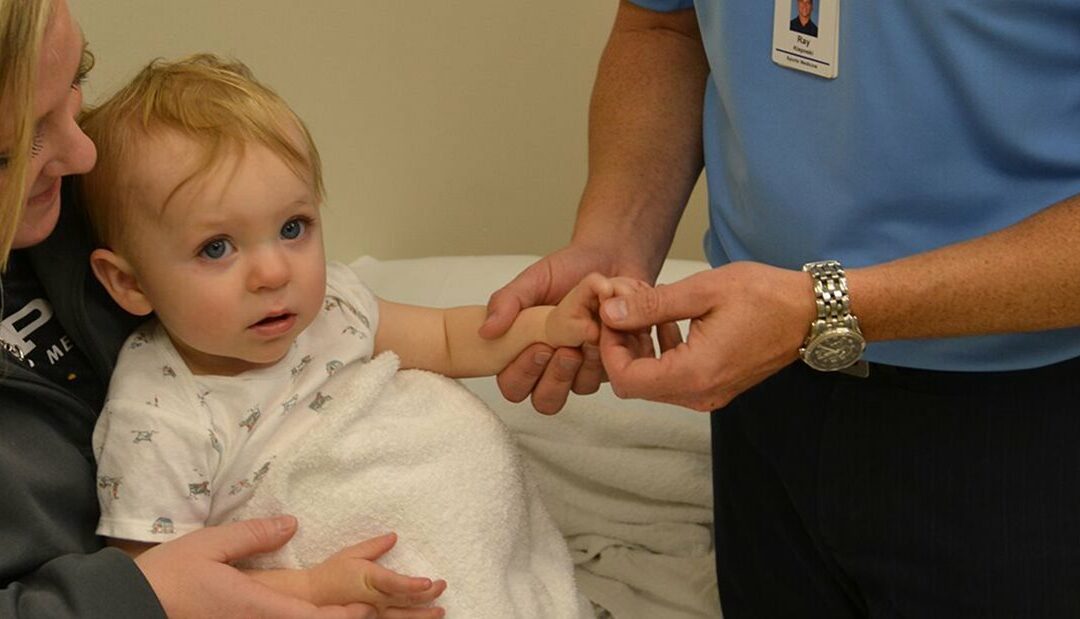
{"x": 215, "y": 249}
{"x": 38, "y": 143}
{"x": 293, "y": 229}
{"x": 85, "y": 64}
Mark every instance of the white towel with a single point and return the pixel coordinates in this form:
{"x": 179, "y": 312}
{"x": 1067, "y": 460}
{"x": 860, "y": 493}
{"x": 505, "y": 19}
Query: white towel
{"x": 415, "y": 453}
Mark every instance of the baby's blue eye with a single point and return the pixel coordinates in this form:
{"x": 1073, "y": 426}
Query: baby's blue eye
{"x": 293, "y": 229}
{"x": 215, "y": 249}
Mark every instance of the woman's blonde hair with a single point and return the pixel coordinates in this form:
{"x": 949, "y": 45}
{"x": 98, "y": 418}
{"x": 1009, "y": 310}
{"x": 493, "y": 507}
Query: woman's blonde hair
{"x": 216, "y": 103}
{"x": 22, "y": 28}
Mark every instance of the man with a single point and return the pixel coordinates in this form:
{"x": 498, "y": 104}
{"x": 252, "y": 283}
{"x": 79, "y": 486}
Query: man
{"x": 944, "y": 483}
{"x": 802, "y": 22}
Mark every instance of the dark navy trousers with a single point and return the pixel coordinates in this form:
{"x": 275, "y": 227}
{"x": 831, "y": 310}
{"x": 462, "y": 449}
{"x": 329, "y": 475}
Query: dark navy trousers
{"x": 910, "y": 493}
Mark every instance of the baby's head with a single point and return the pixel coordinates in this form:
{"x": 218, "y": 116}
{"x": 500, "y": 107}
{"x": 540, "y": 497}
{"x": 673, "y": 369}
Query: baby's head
{"x": 205, "y": 204}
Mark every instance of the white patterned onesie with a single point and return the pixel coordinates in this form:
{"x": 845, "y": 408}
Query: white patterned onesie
{"x": 177, "y": 452}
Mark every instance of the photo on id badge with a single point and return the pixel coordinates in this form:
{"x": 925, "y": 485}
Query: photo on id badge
{"x": 806, "y": 36}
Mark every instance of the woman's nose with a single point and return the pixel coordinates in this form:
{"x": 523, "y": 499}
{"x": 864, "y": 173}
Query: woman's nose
{"x": 69, "y": 150}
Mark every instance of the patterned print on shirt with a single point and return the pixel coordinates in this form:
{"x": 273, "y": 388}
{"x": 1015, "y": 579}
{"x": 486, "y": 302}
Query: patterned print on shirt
{"x": 143, "y": 436}
{"x": 319, "y": 402}
{"x": 342, "y": 304}
{"x": 288, "y": 405}
{"x": 198, "y": 489}
{"x": 215, "y": 444}
{"x": 138, "y": 340}
{"x": 300, "y": 367}
{"x": 162, "y": 526}
{"x": 111, "y": 485}
{"x": 253, "y": 418}
{"x": 261, "y": 473}
{"x": 251, "y": 484}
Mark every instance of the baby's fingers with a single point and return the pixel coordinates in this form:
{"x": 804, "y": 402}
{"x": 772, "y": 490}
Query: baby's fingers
{"x": 625, "y": 286}
{"x": 401, "y": 590}
{"x": 591, "y": 290}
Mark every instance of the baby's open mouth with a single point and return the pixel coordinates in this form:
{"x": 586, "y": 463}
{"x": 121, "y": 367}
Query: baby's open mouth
{"x": 269, "y": 320}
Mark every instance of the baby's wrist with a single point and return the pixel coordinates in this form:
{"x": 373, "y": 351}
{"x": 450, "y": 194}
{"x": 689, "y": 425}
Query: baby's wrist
{"x": 546, "y": 327}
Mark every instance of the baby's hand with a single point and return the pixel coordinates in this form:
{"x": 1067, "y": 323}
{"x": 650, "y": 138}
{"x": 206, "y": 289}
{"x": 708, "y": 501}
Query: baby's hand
{"x": 351, "y": 575}
{"x": 575, "y": 320}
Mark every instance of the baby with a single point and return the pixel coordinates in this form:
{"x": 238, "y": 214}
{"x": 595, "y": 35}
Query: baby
{"x": 264, "y": 363}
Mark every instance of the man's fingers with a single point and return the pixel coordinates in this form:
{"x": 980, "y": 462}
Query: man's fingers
{"x": 633, "y": 374}
{"x": 668, "y": 335}
{"x": 502, "y": 308}
{"x": 550, "y": 393}
{"x": 653, "y": 306}
{"x": 525, "y": 290}
{"x": 518, "y": 379}
{"x": 591, "y": 374}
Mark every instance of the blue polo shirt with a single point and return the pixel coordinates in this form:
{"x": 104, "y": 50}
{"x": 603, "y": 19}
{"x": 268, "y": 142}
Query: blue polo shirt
{"x": 949, "y": 119}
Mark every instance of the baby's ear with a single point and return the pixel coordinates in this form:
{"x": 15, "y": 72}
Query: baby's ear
{"x": 117, "y": 276}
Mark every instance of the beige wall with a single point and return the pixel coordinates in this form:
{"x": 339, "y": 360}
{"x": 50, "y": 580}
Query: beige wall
{"x": 445, "y": 127}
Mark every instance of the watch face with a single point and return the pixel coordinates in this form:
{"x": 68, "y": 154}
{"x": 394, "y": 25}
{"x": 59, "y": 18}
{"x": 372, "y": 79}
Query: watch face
{"x": 834, "y": 349}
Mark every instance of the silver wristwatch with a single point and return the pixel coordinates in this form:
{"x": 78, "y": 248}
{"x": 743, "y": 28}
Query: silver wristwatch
{"x": 835, "y": 341}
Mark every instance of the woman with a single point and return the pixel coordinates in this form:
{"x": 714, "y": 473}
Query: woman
{"x": 60, "y": 335}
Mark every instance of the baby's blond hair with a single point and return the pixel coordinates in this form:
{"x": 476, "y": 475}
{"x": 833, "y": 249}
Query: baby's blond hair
{"x": 218, "y": 104}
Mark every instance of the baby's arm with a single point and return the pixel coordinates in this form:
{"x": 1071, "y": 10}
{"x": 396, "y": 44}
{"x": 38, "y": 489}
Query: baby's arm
{"x": 347, "y": 577}
{"x": 446, "y": 340}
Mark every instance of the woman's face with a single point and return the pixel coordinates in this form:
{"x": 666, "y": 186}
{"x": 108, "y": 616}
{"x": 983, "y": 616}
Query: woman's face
{"x": 59, "y": 148}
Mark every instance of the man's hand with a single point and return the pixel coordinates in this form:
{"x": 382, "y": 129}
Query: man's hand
{"x": 192, "y": 575}
{"x": 548, "y": 375}
{"x": 747, "y": 321}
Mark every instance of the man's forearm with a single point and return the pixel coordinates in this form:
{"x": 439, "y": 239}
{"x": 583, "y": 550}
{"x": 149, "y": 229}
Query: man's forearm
{"x": 1023, "y": 278}
{"x": 645, "y": 151}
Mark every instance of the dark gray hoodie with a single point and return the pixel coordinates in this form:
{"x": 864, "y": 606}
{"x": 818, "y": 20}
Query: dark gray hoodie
{"x": 51, "y": 562}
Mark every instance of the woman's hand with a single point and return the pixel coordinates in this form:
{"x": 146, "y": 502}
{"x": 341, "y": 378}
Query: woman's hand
{"x": 193, "y": 578}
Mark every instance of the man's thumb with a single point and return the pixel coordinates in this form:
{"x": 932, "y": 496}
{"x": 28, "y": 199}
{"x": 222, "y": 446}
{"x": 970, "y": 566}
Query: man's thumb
{"x": 238, "y": 540}
{"x": 649, "y": 307}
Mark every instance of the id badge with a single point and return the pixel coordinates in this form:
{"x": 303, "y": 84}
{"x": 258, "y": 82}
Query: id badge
{"x": 806, "y": 36}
